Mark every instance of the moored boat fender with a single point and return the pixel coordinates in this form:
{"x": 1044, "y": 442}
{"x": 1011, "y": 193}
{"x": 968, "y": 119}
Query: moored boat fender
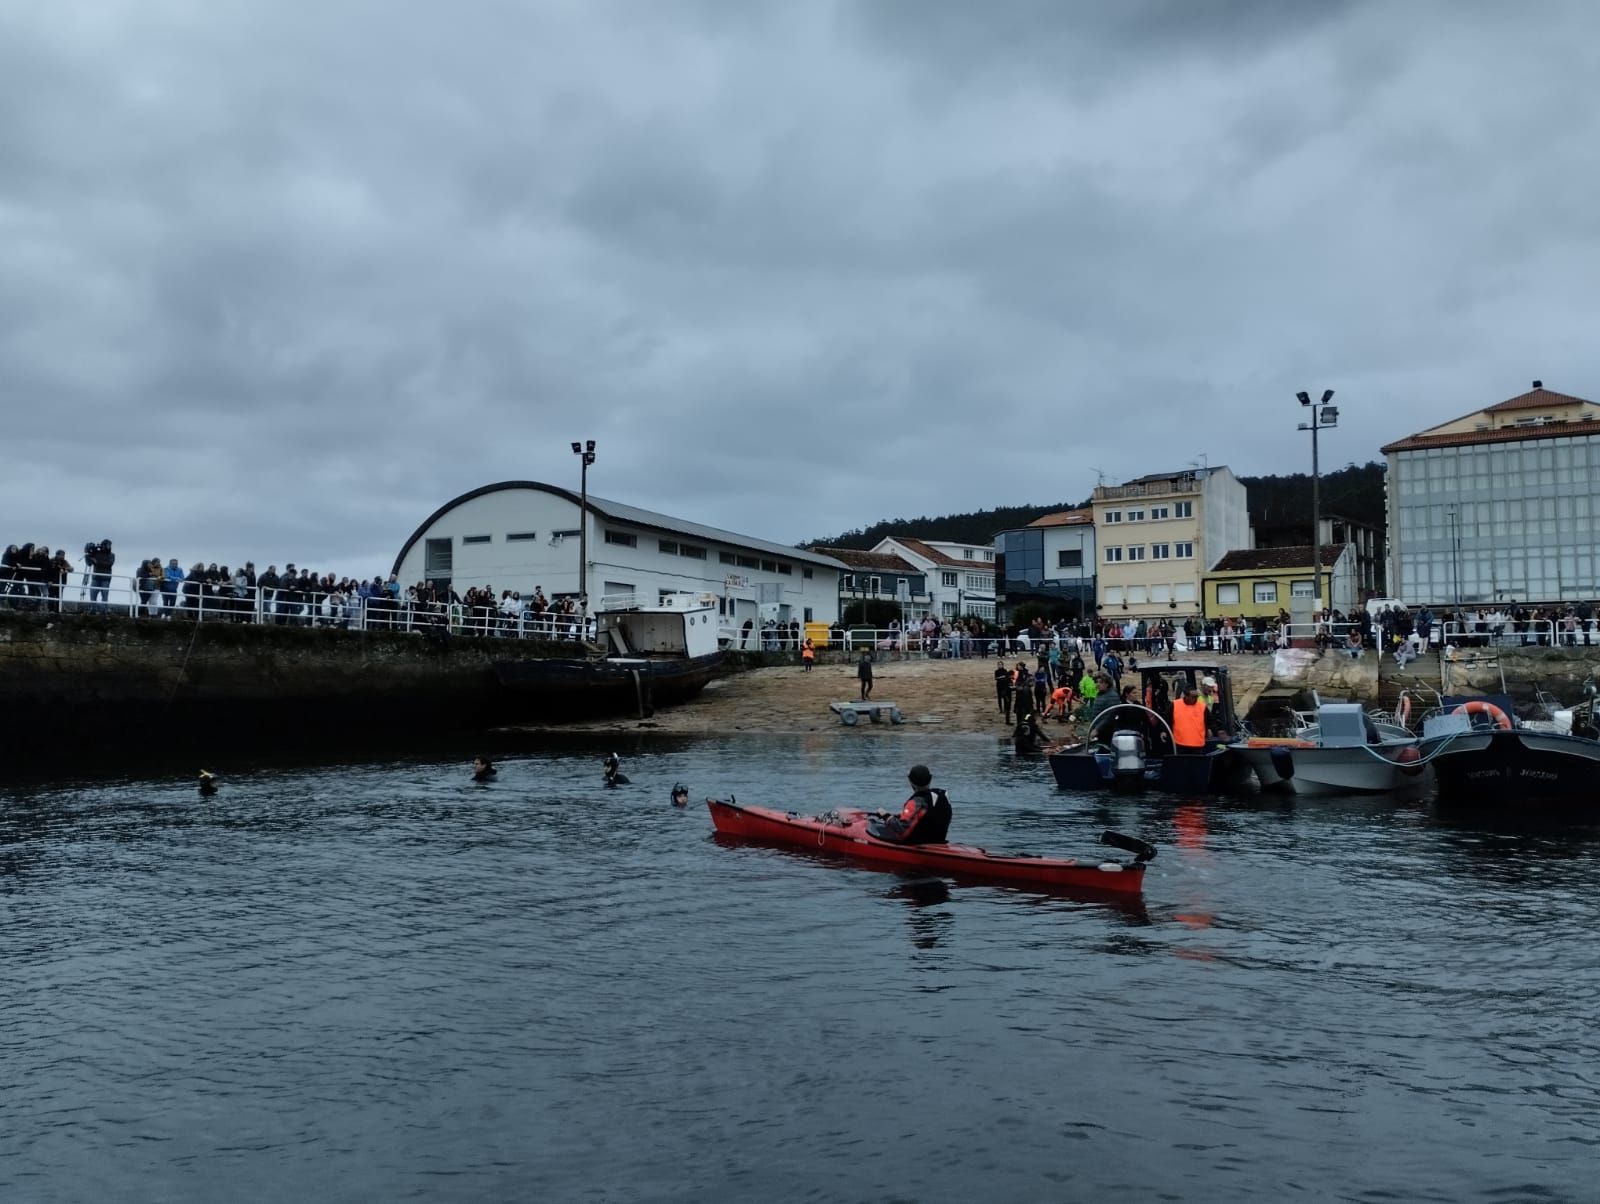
{"x": 1282, "y": 761}
{"x": 1409, "y": 761}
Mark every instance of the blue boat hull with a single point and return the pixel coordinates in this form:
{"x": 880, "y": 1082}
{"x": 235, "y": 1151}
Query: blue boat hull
{"x": 1092, "y": 770}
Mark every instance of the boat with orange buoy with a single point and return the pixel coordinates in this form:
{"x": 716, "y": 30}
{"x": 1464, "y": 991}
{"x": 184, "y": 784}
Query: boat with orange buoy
{"x": 1483, "y": 754}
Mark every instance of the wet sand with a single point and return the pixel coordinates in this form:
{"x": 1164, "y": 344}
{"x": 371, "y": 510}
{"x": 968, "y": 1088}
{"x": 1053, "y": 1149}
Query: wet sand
{"x": 933, "y": 695}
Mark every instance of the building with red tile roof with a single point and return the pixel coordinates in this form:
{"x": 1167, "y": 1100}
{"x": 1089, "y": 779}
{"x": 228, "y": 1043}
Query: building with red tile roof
{"x": 1499, "y": 505}
{"x": 960, "y": 576}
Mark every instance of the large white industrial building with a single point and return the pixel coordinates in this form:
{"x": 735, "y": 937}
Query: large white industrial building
{"x": 522, "y": 535}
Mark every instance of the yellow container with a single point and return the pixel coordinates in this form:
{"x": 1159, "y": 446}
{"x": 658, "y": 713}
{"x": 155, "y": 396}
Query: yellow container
{"x": 817, "y": 633}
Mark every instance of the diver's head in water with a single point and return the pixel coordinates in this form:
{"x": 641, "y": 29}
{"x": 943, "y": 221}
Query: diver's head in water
{"x": 680, "y": 795}
{"x": 482, "y": 769}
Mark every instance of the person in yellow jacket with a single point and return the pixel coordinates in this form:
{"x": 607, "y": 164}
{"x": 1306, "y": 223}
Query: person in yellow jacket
{"x": 1088, "y": 688}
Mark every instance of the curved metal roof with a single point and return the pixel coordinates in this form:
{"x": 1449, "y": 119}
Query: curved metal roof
{"x": 634, "y": 516}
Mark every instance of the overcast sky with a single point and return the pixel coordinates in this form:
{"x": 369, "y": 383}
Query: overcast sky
{"x": 277, "y": 279}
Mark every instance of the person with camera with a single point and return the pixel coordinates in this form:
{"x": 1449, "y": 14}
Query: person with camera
{"x": 98, "y": 559}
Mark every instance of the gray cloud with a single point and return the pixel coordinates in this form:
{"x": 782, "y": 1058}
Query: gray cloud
{"x": 275, "y": 281}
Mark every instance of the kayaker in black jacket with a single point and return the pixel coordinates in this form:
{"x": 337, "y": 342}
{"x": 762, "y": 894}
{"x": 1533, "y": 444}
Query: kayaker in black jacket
{"x": 925, "y": 818}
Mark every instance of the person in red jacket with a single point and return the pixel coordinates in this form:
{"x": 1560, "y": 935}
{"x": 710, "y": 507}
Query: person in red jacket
{"x": 925, "y": 818}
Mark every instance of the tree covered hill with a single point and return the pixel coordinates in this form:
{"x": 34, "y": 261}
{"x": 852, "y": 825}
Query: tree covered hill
{"x": 1355, "y": 491}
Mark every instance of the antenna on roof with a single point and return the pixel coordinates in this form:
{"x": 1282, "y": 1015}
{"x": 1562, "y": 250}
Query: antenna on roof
{"x": 1100, "y": 475}
{"x": 1203, "y": 463}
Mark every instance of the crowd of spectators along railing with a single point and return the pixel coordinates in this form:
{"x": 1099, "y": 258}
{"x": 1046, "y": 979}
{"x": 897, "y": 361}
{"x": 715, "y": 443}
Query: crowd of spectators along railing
{"x": 34, "y": 577}
{"x": 199, "y": 596}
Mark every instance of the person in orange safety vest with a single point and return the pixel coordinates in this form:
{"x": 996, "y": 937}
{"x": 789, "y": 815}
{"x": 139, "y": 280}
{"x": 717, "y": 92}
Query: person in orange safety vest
{"x": 1189, "y": 722}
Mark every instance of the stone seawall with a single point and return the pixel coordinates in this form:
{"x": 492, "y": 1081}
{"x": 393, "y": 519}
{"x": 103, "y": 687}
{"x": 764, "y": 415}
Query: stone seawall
{"x": 84, "y": 685}
{"x": 1526, "y": 671}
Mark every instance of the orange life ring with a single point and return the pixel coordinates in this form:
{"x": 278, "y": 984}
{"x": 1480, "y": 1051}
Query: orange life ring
{"x": 1479, "y": 707}
{"x": 1402, "y": 710}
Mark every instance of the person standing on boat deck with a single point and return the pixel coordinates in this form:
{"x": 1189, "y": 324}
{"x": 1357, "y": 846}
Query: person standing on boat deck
{"x": 864, "y": 675}
{"x": 1002, "y": 689}
{"x": 1189, "y": 723}
{"x": 925, "y": 817}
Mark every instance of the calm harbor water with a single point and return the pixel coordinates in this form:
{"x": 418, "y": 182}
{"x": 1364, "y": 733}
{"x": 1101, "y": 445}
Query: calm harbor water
{"x": 381, "y": 981}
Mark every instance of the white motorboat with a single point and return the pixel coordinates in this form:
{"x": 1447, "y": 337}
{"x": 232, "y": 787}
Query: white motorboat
{"x": 1342, "y": 750}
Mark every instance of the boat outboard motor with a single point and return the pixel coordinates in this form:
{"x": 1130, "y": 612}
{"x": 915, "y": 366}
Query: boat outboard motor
{"x": 1127, "y": 758}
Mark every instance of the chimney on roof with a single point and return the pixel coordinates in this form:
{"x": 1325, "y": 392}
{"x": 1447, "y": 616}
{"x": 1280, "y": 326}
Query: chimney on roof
{"x": 1538, "y": 384}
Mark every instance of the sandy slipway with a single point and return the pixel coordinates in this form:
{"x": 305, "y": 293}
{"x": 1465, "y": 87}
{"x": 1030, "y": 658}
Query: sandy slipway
{"x": 933, "y": 695}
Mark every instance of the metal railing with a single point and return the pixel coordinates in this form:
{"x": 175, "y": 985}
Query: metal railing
{"x": 221, "y": 602}
{"x": 1503, "y": 632}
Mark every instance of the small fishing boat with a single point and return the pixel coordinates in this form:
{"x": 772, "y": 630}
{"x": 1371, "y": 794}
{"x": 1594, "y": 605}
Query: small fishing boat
{"x": 1483, "y": 755}
{"x": 647, "y": 656}
{"x": 1342, "y": 750}
{"x": 845, "y": 833}
{"x": 1129, "y": 747}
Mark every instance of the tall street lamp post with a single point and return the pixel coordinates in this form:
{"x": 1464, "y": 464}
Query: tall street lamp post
{"x": 1322, "y": 415}
{"x": 1454, "y": 515}
{"x": 585, "y": 453}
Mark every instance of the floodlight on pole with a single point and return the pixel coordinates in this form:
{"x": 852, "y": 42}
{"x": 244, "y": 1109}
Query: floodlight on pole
{"x": 585, "y": 454}
{"x": 1322, "y": 415}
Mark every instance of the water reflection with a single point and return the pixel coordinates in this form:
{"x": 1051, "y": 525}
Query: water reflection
{"x": 922, "y": 894}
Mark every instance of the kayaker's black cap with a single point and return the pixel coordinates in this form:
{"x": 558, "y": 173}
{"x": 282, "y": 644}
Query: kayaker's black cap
{"x": 920, "y": 775}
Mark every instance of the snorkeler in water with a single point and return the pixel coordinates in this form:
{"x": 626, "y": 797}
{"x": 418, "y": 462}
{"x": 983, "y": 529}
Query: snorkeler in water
{"x": 613, "y": 770}
{"x": 680, "y": 795}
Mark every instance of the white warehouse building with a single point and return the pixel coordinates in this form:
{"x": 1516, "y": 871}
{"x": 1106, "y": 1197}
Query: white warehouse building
{"x": 522, "y": 535}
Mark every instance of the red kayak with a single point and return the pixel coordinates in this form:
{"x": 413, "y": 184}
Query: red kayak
{"x": 845, "y": 833}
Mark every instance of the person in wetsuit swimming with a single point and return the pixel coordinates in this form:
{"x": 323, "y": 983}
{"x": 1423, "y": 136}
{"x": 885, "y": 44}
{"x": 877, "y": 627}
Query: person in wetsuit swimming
{"x": 483, "y": 769}
{"x": 925, "y": 818}
{"x": 614, "y": 774}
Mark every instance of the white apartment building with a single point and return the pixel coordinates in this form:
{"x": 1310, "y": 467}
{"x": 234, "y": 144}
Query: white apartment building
{"x": 1158, "y": 535}
{"x": 960, "y": 577}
